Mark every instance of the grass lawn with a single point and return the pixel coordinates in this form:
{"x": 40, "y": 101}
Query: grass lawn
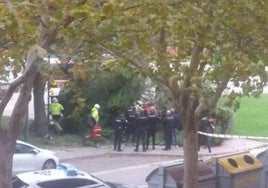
{"x": 251, "y": 118}
{"x": 58, "y": 140}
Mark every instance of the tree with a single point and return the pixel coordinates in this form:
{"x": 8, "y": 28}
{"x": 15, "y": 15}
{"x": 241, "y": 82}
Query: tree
{"x": 27, "y": 31}
{"x": 184, "y": 46}
{"x": 40, "y": 122}
{"x": 209, "y": 43}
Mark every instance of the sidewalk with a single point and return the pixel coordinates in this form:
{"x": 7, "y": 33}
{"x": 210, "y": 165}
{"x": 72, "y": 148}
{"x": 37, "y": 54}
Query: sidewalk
{"x": 228, "y": 147}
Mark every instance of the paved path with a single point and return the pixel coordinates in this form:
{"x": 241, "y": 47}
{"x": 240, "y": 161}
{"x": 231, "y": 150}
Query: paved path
{"x": 141, "y": 170}
{"x": 228, "y": 147}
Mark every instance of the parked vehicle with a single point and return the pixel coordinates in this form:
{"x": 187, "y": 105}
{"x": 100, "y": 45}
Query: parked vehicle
{"x": 66, "y": 175}
{"x": 29, "y": 158}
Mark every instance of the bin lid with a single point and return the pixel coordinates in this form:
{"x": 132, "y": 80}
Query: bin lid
{"x": 176, "y": 172}
{"x": 240, "y": 163}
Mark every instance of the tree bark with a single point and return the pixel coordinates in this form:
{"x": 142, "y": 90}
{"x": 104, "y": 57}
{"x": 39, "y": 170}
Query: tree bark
{"x": 40, "y": 115}
{"x": 7, "y": 149}
{"x": 190, "y": 148}
{"x": 10, "y": 133}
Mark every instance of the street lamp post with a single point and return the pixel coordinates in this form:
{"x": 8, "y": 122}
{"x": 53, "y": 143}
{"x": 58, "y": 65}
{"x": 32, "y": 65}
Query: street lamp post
{"x": 48, "y": 94}
{"x": 48, "y": 100}
{"x": 26, "y": 125}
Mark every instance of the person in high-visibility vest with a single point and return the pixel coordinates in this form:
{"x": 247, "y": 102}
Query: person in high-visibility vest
{"x": 55, "y": 109}
{"x": 95, "y": 113}
{"x": 92, "y": 118}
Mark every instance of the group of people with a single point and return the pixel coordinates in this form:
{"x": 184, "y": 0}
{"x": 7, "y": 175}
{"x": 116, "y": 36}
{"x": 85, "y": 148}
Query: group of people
{"x": 140, "y": 124}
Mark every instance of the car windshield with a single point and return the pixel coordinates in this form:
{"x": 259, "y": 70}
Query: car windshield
{"x": 66, "y": 183}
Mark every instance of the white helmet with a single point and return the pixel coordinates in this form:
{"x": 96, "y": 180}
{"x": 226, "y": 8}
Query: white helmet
{"x": 97, "y": 106}
{"x": 54, "y": 99}
{"x": 139, "y": 102}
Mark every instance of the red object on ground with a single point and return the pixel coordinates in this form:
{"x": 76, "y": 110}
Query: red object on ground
{"x": 95, "y": 131}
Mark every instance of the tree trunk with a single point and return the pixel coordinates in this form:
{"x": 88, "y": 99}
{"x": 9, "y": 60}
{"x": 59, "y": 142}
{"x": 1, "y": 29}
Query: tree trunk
{"x": 7, "y": 149}
{"x": 10, "y": 133}
{"x": 190, "y": 142}
{"x": 40, "y": 115}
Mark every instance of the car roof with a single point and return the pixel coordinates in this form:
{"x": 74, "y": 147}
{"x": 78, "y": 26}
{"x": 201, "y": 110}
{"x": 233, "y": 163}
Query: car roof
{"x": 54, "y": 174}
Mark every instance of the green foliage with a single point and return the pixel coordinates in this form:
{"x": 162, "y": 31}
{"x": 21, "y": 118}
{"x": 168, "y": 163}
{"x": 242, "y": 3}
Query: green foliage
{"x": 123, "y": 89}
{"x": 143, "y": 31}
{"x": 137, "y": 33}
{"x": 162, "y": 102}
{"x": 215, "y": 42}
{"x": 114, "y": 91}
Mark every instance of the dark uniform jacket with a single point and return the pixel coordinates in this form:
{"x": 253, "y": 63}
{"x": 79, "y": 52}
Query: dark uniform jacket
{"x": 120, "y": 123}
{"x": 168, "y": 122}
{"x": 142, "y": 122}
{"x": 177, "y": 122}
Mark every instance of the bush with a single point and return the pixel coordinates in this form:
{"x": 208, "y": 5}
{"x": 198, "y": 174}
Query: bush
{"x": 223, "y": 125}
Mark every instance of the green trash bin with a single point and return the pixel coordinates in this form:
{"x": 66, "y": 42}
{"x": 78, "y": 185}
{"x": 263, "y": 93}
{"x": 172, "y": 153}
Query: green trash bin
{"x": 238, "y": 171}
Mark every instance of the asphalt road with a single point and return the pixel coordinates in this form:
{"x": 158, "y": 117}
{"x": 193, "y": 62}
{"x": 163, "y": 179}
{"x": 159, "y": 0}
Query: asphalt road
{"x": 128, "y": 169}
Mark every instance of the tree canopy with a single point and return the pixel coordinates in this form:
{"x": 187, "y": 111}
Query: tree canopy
{"x": 183, "y": 46}
{"x": 192, "y": 50}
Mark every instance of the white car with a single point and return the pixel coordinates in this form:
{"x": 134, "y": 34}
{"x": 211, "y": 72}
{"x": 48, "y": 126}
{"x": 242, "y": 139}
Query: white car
{"x": 65, "y": 176}
{"x": 29, "y": 158}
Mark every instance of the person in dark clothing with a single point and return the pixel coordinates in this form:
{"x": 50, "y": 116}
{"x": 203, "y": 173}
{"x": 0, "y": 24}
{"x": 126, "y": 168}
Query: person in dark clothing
{"x": 141, "y": 124}
{"x": 152, "y": 128}
{"x": 168, "y": 122}
{"x": 131, "y": 116}
{"x": 177, "y": 126}
{"x": 206, "y": 127}
{"x": 119, "y": 127}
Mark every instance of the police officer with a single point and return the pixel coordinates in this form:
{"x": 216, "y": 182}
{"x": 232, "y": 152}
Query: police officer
{"x": 141, "y": 124}
{"x": 167, "y": 126}
{"x": 131, "y": 116}
{"x": 177, "y": 126}
{"x": 152, "y": 128}
{"x": 119, "y": 126}
{"x": 204, "y": 126}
